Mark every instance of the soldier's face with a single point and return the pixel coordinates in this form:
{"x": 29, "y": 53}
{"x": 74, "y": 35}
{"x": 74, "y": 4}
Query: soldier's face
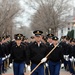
{"x": 49, "y": 40}
{"x": 64, "y": 39}
{"x": 18, "y": 41}
{"x": 3, "y": 41}
{"x": 38, "y": 38}
{"x": 55, "y": 41}
{"x": 72, "y": 43}
{"x": 32, "y": 40}
{"x": 8, "y": 39}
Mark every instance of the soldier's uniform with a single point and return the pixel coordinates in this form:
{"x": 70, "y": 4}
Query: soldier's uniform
{"x": 37, "y": 52}
{"x": 55, "y": 57}
{"x": 9, "y": 45}
{"x": 4, "y": 49}
{"x": 1, "y": 55}
{"x": 63, "y": 41}
{"x": 50, "y": 46}
{"x": 72, "y": 58}
{"x": 67, "y": 53}
{"x": 32, "y": 39}
{"x": 18, "y": 56}
{"x": 24, "y": 41}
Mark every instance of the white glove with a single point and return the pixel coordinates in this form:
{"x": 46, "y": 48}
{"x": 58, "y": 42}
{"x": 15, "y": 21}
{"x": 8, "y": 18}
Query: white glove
{"x": 10, "y": 65}
{"x": 44, "y": 60}
{"x": 26, "y": 65}
{"x": 3, "y": 58}
{"x": 46, "y": 64}
{"x": 74, "y": 59}
{"x": 62, "y": 65}
{"x": 71, "y": 59}
{"x": 64, "y": 56}
{"x": 8, "y": 55}
{"x": 67, "y": 57}
{"x": 28, "y": 69}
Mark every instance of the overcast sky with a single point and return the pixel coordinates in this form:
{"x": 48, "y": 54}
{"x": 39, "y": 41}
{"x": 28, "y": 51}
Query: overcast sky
{"x": 24, "y": 18}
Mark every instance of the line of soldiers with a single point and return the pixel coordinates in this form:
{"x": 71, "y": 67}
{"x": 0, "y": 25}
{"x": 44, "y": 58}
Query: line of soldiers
{"x": 26, "y": 54}
{"x": 68, "y": 45}
{"x": 4, "y": 53}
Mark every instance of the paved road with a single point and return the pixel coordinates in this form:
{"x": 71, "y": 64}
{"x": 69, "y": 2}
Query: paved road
{"x": 62, "y": 72}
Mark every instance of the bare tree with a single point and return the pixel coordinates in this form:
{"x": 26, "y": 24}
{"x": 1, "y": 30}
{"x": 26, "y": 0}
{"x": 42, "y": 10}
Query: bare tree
{"x": 49, "y": 14}
{"x": 8, "y": 10}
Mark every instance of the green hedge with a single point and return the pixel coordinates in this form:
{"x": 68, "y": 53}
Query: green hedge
{"x": 71, "y": 34}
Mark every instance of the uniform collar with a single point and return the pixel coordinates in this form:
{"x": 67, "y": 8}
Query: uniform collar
{"x": 38, "y": 43}
{"x": 19, "y": 45}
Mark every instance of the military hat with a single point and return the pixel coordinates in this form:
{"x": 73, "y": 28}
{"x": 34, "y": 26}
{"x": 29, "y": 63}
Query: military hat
{"x": 64, "y": 37}
{"x": 18, "y": 36}
{"x": 67, "y": 38}
{"x": 50, "y": 35}
{"x": 38, "y": 32}
{"x": 7, "y": 36}
{"x": 25, "y": 38}
{"x": 3, "y": 37}
{"x": 54, "y": 38}
{"x": 74, "y": 40}
{"x": 32, "y": 37}
{"x": 71, "y": 39}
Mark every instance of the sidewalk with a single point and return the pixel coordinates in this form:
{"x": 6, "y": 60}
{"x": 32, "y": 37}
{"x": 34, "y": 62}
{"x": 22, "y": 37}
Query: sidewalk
{"x": 9, "y": 72}
{"x": 62, "y": 72}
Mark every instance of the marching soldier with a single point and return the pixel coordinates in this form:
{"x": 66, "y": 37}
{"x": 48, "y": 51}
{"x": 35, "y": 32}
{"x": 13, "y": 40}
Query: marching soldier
{"x": 4, "y": 69}
{"x": 25, "y": 40}
{"x": 67, "y": 53}
{"x": 18, "y": 55}
{"x": 55, "y": 57}
{"x": 44, "y": 40}
{"x": 0, "y": 60}
{"x": 63, "y": 41}
{"x": 49, "y": 39}
{"x": 37, "y": 51}
{"x": 32, "y": 39}
{"x": 7, "y": 50}
{"x": 1, "y": 55}
{"x": 49, "y": 44}
{"x": 72, "y": 58}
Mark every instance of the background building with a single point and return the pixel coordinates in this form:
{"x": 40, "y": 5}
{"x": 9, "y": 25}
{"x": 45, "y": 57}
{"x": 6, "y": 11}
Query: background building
{"x": 69, "y": 26}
